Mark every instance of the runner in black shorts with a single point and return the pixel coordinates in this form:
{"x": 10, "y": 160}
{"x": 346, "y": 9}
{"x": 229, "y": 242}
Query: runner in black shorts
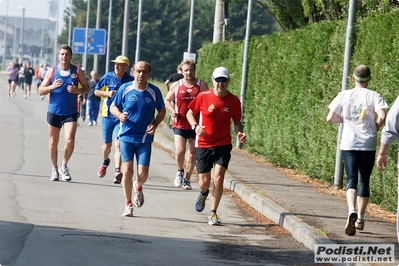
{"x": 58, "y": 121}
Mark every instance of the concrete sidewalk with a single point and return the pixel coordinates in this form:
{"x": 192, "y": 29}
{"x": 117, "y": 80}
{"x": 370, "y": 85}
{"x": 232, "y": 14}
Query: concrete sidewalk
{"x": 312, "y": 217}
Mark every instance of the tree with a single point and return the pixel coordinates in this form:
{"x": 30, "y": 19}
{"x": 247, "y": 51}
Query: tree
{"x": 164, "y": 29}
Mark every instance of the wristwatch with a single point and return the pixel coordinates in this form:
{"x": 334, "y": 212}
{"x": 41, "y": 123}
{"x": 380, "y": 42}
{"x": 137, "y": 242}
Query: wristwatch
{"x": 194, "y": 126}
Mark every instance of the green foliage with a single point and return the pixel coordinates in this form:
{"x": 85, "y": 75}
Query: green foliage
{"x": 164, "y": 29}
{"x": 293, "y": 77}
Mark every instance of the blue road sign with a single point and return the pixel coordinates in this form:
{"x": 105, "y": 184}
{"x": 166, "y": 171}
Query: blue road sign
{"x": 95, "y": 41}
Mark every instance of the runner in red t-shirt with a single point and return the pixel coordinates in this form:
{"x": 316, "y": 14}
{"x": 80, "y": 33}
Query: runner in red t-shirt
{"x": 216, "y": 108}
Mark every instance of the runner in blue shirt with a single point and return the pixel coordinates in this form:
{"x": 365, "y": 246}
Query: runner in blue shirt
{"x": 61, "y": 82}
{"x": 134, "y": 105}
{"x": 106, "y": 88}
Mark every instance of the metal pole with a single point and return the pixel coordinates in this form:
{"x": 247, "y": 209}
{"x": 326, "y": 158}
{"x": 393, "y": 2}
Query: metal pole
{"x": 5, "y": 36}
{"x": 338, "y": 175}
{"x": 70, "y": 24}
{"x": 42, "y": 40}
{"x": 245, "y": 63}
{"x": 21, "y": 40}
{"x": 109, "y": 36}
{"x": 56, "y": 35}
{"x": 125, "y": 28}
{"x": 218, "y": 22}
{"x": 15, "y": 36}
{"x": 137, "y": 58}
{"x": 98, "y": 25}
{"x": 86, "y": 35}
{"x": 190, "y": 31}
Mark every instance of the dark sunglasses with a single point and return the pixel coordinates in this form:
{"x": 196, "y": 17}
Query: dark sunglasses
{"x": 221, "y": 80}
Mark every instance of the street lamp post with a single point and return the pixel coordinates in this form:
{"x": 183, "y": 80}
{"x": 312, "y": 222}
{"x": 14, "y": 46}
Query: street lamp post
{"x": 21, "y": 40}
{"x": 5, "y": 34}
{"x": 42, "y": 46}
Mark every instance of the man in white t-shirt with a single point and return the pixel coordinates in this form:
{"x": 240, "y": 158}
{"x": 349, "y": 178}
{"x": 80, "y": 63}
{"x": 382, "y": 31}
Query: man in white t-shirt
{"x": 390, "y": 133}
{"x": 357, "y": 109}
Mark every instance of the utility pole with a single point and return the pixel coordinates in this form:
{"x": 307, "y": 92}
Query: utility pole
{"x": 108, "y": 37}
{"x": 138, "y": 38}
{"x": 70, "y": 24}
{"x": 244, "y": 74}
{"x": 125, "y": 27}
{"x": 218, "y": 22}
{"x": 21, "y": 40}
{"x": 86, "y": 36}
{"x": 190, "y": 31}
{"x": 5, "y": 36}
{"x": 338, "y": 175}
{"x": 98, "y": 25}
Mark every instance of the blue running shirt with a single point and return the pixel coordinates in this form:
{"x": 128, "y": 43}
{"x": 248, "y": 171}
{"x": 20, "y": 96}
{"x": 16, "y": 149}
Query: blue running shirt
{"x": 140, "y": 106}
{"x": 61, "y": 102}
{"x": 111, "y": 82}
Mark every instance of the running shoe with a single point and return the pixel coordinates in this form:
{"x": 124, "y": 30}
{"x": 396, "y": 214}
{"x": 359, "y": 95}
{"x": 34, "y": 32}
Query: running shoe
{"x": 128, "y": 211}
{"x": 64, "y": 172}
{"x": 138, "y": 196}
{"x": 118, "y": 177}
{"x": 213, "y": 219}
{"x": 200, "y": 202}
{"x": 94, "y": 123}
{"x": 90, "y": 124}
{"x": 179, "y": 178}
{"x": 186, "y": 184}
{"x": 359, "y": 224}
{"x": 102, "y": 171}
{"x": 55, "y": 176}
{"x": 350, "y": 228}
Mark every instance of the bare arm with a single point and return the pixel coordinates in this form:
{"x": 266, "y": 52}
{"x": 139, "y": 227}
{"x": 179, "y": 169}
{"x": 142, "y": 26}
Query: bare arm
{"x": 167, "y": 84}
{"x": 158, "y": 119}
{"x": 382, "y": 159}
{"x": 101, "y": 93}
{"x": 122, "y": 116}
{"x": 169, "y": 105}
{"x": 83, "y": 81}
{"x": 381, "y": 119}
{"x": 334, "y": 117}
{"x": 238, "y": 130}
{"x": 204, "y": 86}
{"x": 46, "y": 87}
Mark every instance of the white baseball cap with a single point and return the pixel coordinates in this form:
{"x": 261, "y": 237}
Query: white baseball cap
{"x": 220, "y": 72}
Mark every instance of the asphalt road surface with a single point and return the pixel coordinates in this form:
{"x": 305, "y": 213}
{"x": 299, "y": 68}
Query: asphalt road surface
{"x": 79, "y": 222}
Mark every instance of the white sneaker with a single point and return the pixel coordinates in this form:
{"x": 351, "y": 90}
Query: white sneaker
{"x": 64, "y": 172}
{"x": 55, "y": 176}
{"x": 128, "y": 211}
{"x": 178, "y": 179}
{"x": 359, "y": 224}
{"x": 94, "y": 123}
{"x": 213, "y": 219}
{"x": 138, "y": 196}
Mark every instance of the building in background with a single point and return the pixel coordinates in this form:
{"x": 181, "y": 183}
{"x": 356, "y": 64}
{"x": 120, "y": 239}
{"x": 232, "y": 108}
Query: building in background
{"x": 38, "y": 39}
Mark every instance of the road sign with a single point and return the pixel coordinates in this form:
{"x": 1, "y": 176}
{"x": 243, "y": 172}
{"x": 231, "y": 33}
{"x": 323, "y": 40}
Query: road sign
{"x": 189, "y": 56}
{"x": 95, "y": 41}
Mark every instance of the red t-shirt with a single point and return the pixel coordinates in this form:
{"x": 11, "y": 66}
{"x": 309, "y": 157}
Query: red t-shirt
{"x": 183, "y": 98}
{"x": 216, "y": 114}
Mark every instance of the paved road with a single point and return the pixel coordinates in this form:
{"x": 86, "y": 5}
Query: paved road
{"x": 80, "y": 223}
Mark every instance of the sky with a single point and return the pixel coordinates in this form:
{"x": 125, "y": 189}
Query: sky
{"x": 33, "y": 8}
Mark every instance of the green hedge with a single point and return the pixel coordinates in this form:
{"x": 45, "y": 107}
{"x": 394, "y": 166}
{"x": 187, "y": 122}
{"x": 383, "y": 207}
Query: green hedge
{"x": 292, "y": 78}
